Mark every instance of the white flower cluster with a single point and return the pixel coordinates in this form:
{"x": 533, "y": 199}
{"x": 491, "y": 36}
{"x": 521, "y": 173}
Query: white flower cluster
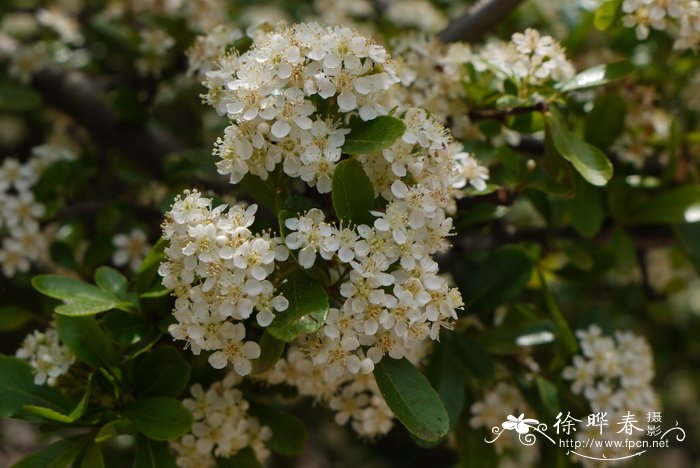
{"x": 614, "y": 374}
{"x": 131, "y": 249}
{"x": 154, "y": 46}
{"x": 218, "y": 271}
{"x": 222, "y": 426}
{"x": 500, "y": 401}
{"x": 433, "y": 77}
{"x": 680, "y": 16}
{"x": 23, "y": 241}
{"x": 353, "y": 398}
{"x": 529, "y": 59}
{"x": 271, "y": 93}
{"x": 420, "y": 14}
{"x": 646, "y": 125}
{"x": 46, "y": 354}
{"x": 208, "y": 48}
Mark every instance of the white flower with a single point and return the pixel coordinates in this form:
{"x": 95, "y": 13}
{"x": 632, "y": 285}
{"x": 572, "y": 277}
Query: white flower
{"x": 471, "y": 171}
{"x": 131, "y": 249}
{"x": 46, "y": 354}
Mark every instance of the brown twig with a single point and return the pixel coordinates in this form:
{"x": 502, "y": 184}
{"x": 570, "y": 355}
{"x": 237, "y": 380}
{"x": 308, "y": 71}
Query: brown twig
{"x": 77, "y": 95}
{"x": 478, "y": 20}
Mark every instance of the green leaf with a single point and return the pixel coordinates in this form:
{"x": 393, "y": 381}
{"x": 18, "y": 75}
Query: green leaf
{"x": 93, "y": 457}
{"x": 607, "y": 14}
{"x": 673, "y": 206}
{"x": 17, "y": 390}
{"x": 548, "y": 395}
{"x": 113, "y": 428}
{"x": 373, "y": 135}
{"x": 61, "y": 454}
{"x": 606, "y": 120}
{"x": 14, "y": 98}
{"x": 271, "y": 350}
{"x": 162, "y": 372}
{"x": 499, "y": 278}
{"x": 86, "y": 339}
{"x": 597, "y": 76}
{"x": 152, "y": 454}
{"x": 13, "y": 318}
{"x": 409, "y": 395}
{"x": 125, "y": 329}
{"x": 450, "y": 385}
{"x": 147, "y": 273}
{"x": 244, "y": 458}
{"x": 588, "y": 160}
{"x": 111, "y": 281}
{"x": 353, "y": 194}
{"x": 565, "y": 337}
{"x": 80, "y": 298}
{"x": 53, "y": 415}
{"x": 472, "y": 356}
{"x": 288, "y": 432}
{"x": 159, "y": 418}
{"x": 308, "y": 306}
{"x": 586, "y": 209}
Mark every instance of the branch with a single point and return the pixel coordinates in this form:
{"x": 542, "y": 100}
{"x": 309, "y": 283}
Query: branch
{"x": 478, "y": 20}
{"x": 78, "y": 96}
{"x": 502, "y": 114}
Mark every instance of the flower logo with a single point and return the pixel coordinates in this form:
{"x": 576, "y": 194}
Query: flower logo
{"x": 519, "y": 424}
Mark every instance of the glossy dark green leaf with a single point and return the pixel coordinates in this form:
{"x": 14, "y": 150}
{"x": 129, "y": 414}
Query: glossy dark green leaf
{"x": 373, "y": 135}
{"x": 86, "y": 339}
{"x": 606, "y": 120}
{"x": 159, "y": 418}
{"x": 93, "y": 457}
{"x": 565, "y": 336}
{"x": 111, "y": 281}
{"x": 17, "y": 389}
{"x": 152, "y": 454}
{"x": 673, "y": 206}
{"x": 288, "y": 432}
{"x": 411, "y": 398}
{"x": 125, "y": 329}
{"x": 353, "y": 194}
{"x": 499, "y": 278}
{"x": 161, "y": 372}
{"x": 589, "y": 161}
{"x": 271, "y": 350}
{"x": 61, "y": 454}
{"x": 446, "y": 380}
{"x": 147, "y": 274}
{"x": 473, "y": 357}
{"x": 244, "y": 458}
{"x": 308, "y": 306}
{"x": 598, "y": 75}
{"x": 81, "y": 299}
{"x": 586, "y": 209}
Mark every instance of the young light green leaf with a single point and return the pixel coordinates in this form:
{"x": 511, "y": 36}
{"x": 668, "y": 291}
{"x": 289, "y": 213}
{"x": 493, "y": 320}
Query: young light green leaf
{"x": 162, "y": 372}
{"x": 372, "y": 135}
{"x": 288, "y": 432}
{"x": 353, "y": 193}
{"x": 13, "y": 318}
{"x": 86, "y": 339}
{"x": 18, "y": 390}
{"x": 53, "y": 415}
{"x": 597, "y": 76}
{"x": 113, "y": 428}
{"x": 588, "y": 160}
{"x": 607, "y": 14}
{"x": 308, "y": 306}
{"x": 409, "y": 395}
{"x": 159, "y": 418}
